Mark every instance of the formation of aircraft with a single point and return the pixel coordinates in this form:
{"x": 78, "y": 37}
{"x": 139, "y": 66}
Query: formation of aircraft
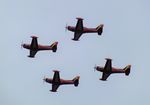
{"x": 34, "y": 47}
{"x": 79, "y": 29}
{"x": 56, "y": 81}
{"x": 108, "y": 69}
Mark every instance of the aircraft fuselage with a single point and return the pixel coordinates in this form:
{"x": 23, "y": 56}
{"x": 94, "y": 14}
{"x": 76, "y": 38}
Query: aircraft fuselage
{"x": 62, "y": 81}
{"x": 40, "y": 47}
{"x": 85, "y": 29}
{"x": 114, "y": 70}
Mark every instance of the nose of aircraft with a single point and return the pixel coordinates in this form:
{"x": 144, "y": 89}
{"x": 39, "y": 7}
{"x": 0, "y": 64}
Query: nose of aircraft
{"x": 56, "y": 43}
{"x": 98, "y": 68}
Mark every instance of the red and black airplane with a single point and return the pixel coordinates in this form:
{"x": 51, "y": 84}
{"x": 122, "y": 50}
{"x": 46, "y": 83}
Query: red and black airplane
{"x": 108, "y": 69}
{"x": 34, "y": 47}
{"x": 79, "y": 29}
{"x": 56, "y": 81}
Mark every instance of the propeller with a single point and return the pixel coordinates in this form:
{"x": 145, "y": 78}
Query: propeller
{"x": 66, "y": 28}
{"x": 44, "y": 79}
{"x": 21, "y": 44}
{"x": 95, "y": 67}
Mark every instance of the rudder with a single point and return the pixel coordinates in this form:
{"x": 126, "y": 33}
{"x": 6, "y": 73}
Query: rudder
{"x": 54, "y": 46}
{"x": 100, "y": 29}
{"x": 76, "y": 80}
{"x": 127, "y": 70}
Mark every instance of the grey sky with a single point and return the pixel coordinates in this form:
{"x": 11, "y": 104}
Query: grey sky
{"x": 125, "y": 39}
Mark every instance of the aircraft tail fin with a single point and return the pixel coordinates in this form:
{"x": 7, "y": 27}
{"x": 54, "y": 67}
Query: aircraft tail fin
{"x": 100, "y": 29}
{"x": 76, "y": 80}
{"x": 127, "y": 70}
{"x": 54, "y": 46}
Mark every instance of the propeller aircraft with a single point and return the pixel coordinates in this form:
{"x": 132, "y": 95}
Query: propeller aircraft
{"x": 34, "y": 47}
{"x": 79, "y": 29}
{"x": 56, "y": 81}
{"x": 107, "y": 70}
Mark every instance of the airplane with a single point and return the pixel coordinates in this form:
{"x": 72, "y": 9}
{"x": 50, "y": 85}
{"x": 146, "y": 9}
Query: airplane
{"x": 56, "y": 81}
{"x": 79, "y": 29}
{"x": 108, "y": 69}
{"x": 34, "y": 47}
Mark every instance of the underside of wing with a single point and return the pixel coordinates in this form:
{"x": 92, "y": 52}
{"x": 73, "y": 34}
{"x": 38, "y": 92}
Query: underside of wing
{"x": 34, "y": 43}
{"x": 32, "y": 53}
{"x": 77, "y": 35}
{"x": 56, "y": 77}
{"x": 78, "y": 30}
{"x": 79, "y": 25}
{"x": 108, "y": 66}
{"x": 105, "y": 76}
{"x": 54, "y": 87}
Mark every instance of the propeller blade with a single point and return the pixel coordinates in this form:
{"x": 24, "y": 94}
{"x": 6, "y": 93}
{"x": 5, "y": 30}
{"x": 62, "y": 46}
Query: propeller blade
{"x": 21, "y": 44}
{"x": 44, "y": 79}
{"x": 95, "y": 67}
{"x": 66, "y": 28}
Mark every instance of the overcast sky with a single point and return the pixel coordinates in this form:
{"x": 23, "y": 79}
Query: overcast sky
{"x": 126, "y": 39}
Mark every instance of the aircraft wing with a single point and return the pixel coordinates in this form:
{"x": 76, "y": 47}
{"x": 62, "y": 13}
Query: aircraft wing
{"x": 108, "y": 65}
{"x": 79, "y": 25}
{"x": 105, "y": 76}
{"x": 56, "y": 77}
{"x": 54, "y": 87}
{"x": 32, "y": 53}
{"x": 34, "y": 43}
{"x": 77, "y": 35}
{"x": 79, "y": 29}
